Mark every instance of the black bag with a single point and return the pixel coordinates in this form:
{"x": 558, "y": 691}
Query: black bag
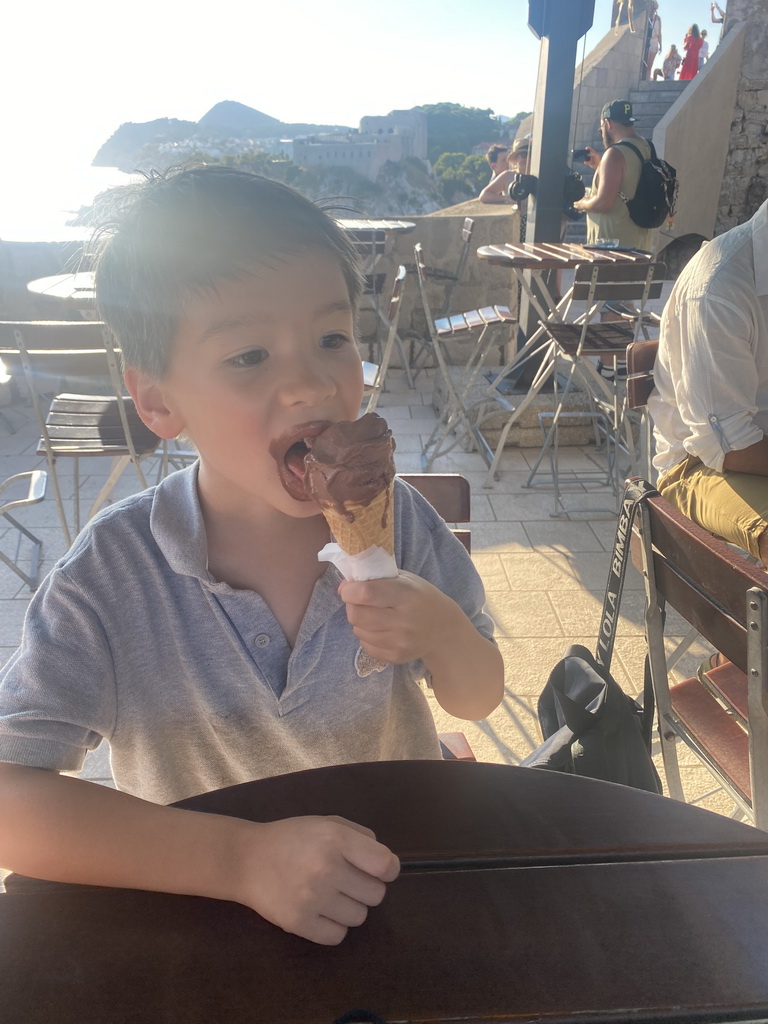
{"x": 590, "y": 726}
{"x": 656, "y": 194}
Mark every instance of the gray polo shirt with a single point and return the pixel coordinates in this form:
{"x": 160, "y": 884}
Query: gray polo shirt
{"x": 192, "y": 682}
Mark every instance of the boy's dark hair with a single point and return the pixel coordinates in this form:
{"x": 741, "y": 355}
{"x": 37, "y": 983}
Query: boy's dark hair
{"x": 495, "y": 152}
{"x": 175, "y": 234}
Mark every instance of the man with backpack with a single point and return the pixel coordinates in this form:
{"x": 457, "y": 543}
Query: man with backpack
{"x": 617, "y": 175}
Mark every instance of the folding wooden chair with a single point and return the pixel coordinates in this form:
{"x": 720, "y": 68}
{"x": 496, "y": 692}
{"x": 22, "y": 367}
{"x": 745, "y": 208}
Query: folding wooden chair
{"x": 487, "y": 321}
{"x": 78, "y": 424}
{"x": 393, "y": 315}
{"x": 371, "y": 245}
{"x": 584, "y": 338}
{"x": 449, "y": 495}
{"x": 35, "y": 481}
{"x": 450, "y": 280}
{"x": 722, "y": 716}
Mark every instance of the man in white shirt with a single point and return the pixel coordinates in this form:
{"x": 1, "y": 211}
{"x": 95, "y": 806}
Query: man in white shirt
{"x": 710, "y": 405}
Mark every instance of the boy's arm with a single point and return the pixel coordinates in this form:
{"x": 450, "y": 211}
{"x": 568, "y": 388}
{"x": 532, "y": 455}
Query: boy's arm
{"x": 314, "y": 876}
{"x": 406, "y": 619}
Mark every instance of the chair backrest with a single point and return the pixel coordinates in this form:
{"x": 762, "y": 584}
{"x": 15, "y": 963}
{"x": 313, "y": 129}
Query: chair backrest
{"x": 422, "y": 276}
{"x": 397, "y": 294}
{"x": 56, "y": 349}
{"x": 467, "y": 230}
{"x": 374, "y": 376}
{"x": 700, "y": 576}
{"x": 618, "y": 282}
{"x": 725, "y": 598}
{"x": 641, "y": 359}
{"x": 84, "y": 356}
{"x": 449, "y": 495}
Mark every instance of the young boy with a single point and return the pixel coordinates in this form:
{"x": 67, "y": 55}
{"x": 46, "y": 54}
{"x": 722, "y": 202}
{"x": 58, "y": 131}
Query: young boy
{"x": 192, "y": 625}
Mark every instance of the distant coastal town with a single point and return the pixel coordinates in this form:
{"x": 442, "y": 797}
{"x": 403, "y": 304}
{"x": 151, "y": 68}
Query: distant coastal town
{"x": 407, "y": 161}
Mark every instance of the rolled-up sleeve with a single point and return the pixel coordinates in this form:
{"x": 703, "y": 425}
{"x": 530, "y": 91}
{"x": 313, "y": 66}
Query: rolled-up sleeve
{"x": 715, "y": 374}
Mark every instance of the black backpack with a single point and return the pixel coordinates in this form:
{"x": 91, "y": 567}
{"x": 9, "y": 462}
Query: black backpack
{"x": 656, "y": 194}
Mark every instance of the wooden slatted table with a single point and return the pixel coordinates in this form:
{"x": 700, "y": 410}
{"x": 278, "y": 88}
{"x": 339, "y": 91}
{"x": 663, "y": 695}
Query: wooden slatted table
{"x": 539, "y": 257}
{"x": 525, "y": 895}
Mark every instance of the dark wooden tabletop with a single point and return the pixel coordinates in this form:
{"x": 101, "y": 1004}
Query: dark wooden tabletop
{"x": 556, "y": 256}
{"x": 525, "y": 896}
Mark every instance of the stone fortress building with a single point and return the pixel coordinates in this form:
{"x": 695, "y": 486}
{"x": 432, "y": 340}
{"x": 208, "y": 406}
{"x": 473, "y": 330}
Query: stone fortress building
{"x": 395, "y": 136}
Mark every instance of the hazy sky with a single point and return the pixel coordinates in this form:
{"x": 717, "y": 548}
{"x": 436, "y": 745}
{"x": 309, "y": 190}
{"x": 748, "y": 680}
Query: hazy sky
{"x": 72, "y": 72}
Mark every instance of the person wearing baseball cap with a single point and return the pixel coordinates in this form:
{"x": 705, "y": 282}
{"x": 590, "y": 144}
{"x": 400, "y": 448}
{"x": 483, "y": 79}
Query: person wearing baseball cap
{"x": 617, "y": 174}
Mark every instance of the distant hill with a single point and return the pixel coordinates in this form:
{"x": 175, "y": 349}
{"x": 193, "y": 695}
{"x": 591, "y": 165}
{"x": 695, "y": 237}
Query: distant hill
{"x": 225, "y": 120}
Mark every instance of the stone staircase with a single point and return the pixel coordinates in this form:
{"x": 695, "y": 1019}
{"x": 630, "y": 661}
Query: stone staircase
{"x": 650, "y": 102}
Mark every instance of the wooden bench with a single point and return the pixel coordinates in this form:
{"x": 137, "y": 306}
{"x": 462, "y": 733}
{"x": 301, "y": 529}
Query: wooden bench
{"x": 722, "y": 716}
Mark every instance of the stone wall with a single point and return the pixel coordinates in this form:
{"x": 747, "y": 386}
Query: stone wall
{"x": 745, "y": 179}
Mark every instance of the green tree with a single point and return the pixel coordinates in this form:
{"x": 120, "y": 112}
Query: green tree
{"x": 453, "y": 128}
{"x": 459, "y": 173}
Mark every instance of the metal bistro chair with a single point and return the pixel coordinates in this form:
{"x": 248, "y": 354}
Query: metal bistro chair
{"x": 36, "y": 481}
{"x": 578, "y": 342}
{"x": 371, "y": 246}
{"x": 421, "y": 350}
{"x": 393, "y": 315}
{"x": 78, "y": 424}
{"x": 488, "y": 321}
{"x": 721, "y": 715}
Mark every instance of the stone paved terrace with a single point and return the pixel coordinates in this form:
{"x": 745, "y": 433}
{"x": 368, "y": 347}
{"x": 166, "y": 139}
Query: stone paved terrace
{"x": 544, "y": 577}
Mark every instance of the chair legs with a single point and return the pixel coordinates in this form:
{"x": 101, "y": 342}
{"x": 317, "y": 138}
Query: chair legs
{"x": 455, "y": 409}
{"x": 37, "y": 485}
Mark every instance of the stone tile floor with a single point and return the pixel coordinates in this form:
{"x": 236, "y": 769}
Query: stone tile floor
{"x": 544, "y": 576}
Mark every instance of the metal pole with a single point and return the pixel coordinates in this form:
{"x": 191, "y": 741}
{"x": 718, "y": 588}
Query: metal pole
{"x": 559, "y": 24}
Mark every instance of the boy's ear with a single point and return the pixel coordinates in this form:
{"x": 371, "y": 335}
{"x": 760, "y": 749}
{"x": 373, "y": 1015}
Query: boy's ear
{"x": 149, "y": 399}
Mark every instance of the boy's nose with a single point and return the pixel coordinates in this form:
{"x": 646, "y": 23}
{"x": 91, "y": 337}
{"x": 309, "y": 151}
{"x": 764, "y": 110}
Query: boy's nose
{"x": 305, "y": 382}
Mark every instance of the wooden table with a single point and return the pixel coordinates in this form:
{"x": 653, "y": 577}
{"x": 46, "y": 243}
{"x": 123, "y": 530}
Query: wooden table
{"x": 72, "y": 290}
{"x": 530, "y": 263}
{"x": 539, "y": 257}
{"x": 525, "y": 895}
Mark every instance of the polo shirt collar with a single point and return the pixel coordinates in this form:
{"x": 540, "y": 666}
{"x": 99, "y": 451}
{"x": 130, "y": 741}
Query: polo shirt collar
{"x": 760, "y": 248}
{"x": 176, "y": 523}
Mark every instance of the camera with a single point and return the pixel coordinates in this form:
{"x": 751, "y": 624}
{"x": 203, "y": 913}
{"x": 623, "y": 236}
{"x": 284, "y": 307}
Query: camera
{"x": 580, "y": 155}
{"x": 522, "y": 186}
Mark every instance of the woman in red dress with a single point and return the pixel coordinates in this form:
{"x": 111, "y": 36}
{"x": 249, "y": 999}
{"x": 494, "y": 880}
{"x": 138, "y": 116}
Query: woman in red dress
{"x": 691, "y": 45}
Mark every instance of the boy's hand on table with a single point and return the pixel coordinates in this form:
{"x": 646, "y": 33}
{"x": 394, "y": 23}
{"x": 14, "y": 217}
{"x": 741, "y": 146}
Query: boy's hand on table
{"x": 314, "y": 876}
{"x": 400, "y": 619}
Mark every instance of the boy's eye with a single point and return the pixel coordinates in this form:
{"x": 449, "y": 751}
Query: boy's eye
{"x": 333, "y": 340}
{"x": 252, "y": 357}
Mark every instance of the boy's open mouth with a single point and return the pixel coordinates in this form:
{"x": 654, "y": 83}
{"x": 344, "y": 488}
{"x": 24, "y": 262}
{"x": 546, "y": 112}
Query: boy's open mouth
{"x": 294, "y": 458}
{"x": 289, "y": 452}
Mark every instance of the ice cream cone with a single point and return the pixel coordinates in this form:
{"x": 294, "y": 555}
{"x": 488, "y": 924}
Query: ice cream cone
{"x": 360, "y": 527}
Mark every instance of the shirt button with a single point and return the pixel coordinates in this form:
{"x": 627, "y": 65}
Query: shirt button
{"x": 262, "y": 640}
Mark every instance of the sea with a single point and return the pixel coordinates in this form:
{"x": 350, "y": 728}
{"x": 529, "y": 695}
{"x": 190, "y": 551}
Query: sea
{"x": 36, "y": 205}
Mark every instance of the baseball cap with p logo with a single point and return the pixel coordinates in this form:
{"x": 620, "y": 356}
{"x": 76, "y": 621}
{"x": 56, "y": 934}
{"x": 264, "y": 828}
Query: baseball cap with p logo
{"x": 618, "y": 110}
